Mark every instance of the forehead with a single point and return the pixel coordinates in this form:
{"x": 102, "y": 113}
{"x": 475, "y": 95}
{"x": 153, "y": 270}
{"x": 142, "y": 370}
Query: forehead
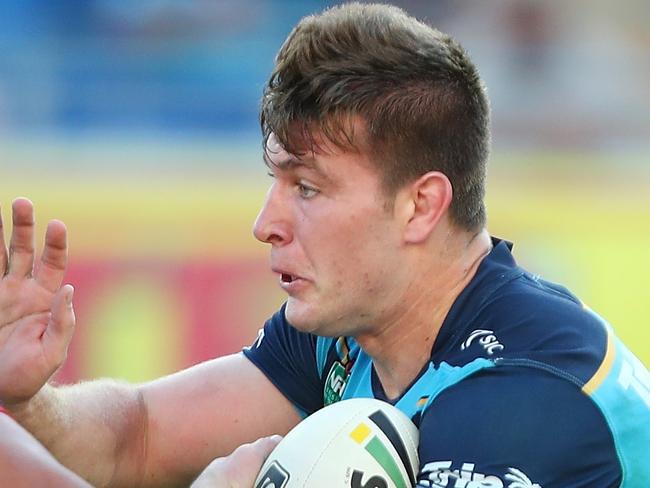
{"x": 277, "y": 157}
{"x": 325, "y": 157}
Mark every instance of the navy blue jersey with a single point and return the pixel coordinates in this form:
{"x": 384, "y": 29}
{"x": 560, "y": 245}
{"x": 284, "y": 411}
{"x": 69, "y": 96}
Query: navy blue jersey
{"x": 525, "y": 387}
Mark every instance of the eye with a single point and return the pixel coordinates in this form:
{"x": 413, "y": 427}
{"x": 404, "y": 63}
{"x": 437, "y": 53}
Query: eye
{"x": 269, "y": 173}
{"x": 306, "y": 191}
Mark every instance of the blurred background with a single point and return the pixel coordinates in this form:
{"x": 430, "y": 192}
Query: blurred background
{"x": 136, "y": 124}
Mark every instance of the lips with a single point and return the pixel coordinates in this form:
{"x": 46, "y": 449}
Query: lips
{"x": 286, "y": 274}
{"x": 288, "y": 280}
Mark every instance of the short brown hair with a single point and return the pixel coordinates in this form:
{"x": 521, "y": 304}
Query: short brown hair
{"x": 422, "y": 101}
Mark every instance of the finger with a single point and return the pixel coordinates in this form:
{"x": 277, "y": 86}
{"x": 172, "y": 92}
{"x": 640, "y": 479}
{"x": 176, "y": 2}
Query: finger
{"x": 3, "y": 249}
{"x": 265, "y": 445}
{"x": 61, "y": 326}
{"x": 21, "y": 247}
{"x": 249, "y": 458}
{"x": 55, "y": 257}
{"x": 258, "y": 451}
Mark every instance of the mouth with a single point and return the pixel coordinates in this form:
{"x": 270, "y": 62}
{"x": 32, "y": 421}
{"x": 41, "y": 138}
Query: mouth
{"x": 287, "y": 278}
{"x": 284, "y": 274}
{"x": 291, "y": 283}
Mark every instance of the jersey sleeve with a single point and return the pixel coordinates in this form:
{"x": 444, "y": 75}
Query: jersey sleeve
{"x": 514, "y": 427}
{"x": 288, "y": 358}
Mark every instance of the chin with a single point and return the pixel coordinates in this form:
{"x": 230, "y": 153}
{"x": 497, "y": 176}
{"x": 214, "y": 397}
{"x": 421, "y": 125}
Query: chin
{"x": 299, "y": 315}
{"x": 312, "y": 320}
{"x": 304, "y": 317}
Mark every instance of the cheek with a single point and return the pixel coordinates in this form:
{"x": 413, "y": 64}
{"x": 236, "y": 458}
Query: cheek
{"x": 346, "y": 247}
{"x": 360, "y": 256}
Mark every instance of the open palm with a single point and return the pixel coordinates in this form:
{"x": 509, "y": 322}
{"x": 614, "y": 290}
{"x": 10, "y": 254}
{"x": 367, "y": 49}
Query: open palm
{"x": 36, "y": 314}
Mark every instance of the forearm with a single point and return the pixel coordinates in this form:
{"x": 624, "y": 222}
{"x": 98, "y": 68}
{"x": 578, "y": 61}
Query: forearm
{"x": 26, "y": 463}
{"x": 97, "y": 429}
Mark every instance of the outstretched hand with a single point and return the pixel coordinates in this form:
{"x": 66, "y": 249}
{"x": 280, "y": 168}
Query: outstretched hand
{"x": 36, "y": 314}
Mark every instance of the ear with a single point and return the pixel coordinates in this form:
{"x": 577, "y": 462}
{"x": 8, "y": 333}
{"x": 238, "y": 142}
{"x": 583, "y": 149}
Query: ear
{"x": 429, "y": 198}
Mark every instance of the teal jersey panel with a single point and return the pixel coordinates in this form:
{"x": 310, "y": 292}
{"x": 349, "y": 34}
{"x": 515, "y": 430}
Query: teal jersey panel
{"x": 621, "y": 389}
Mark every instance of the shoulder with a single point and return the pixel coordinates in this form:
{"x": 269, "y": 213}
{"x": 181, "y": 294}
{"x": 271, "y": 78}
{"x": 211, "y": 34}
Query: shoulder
{"x": 509, "y": 421}
{"x": 508, "y": 312}
{"x": 538, "y": 375}
{"x": 529, "y": 319}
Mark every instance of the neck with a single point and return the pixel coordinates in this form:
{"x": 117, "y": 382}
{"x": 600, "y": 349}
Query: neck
{"x": 416, "y": 321}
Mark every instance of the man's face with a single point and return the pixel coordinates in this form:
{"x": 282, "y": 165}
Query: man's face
{"x": 334, "y": 246}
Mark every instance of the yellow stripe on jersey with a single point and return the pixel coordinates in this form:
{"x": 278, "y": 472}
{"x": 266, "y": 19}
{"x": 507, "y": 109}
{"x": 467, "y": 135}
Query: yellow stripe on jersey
{"x": 604, "y": 368}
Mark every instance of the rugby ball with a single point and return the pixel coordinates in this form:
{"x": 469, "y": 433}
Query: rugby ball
{"x": 357, "y": 443}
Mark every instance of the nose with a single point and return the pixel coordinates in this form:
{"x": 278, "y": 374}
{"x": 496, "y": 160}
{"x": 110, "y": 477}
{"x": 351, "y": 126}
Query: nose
{"x": 272, "y": 224}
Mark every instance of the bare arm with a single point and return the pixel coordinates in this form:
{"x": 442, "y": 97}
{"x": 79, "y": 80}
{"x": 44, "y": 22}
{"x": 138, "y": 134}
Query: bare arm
{"x": 25, "y": 463}
{"x": 206, "y": 412}
{"x": 94, "y": 428}
{"x": 162, "y": 433}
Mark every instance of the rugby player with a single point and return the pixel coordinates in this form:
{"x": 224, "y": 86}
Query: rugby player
{"x": 376, "y": 135}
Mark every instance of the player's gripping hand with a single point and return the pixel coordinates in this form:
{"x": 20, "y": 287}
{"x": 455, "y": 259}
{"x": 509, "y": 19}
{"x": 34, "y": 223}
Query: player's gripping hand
{"x": 36, "y": 314}
{"x": 240, "y": 469}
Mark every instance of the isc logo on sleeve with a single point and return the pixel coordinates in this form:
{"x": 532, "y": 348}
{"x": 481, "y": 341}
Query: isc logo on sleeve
{"x": 486, "y": 339}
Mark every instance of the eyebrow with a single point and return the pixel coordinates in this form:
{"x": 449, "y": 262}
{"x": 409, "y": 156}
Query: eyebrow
{"x": 286, "y": 163}
{"x": 293, "y": 162}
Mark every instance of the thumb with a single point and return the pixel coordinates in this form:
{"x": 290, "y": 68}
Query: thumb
{"x": 62, "y": 320}
{"x": 265, "y": 445}
{"x": 254, "y": 455}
